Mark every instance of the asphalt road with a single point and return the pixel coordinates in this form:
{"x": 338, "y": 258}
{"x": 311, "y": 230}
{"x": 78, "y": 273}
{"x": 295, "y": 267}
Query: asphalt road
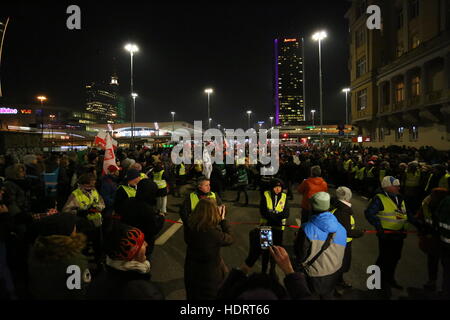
{"x": 168, "y": 258}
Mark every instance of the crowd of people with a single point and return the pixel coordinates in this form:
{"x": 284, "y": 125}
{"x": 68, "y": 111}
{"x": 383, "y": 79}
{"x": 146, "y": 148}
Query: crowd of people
{"x": 62, "y": 210}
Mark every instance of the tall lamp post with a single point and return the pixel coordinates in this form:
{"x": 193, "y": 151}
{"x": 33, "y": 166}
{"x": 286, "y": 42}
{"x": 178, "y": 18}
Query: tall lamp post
{"x": 346, "y": 91}
{"x": 42, "y": 99}
{"x": 209, "y": 123}
{"x": 52, "y": 119}
{"x": 319, "y": 36}
{"x": 173, "y": 121}
{"x": 134, "y": 95}
{"x": 312, "y": 114}
{"x": 209, "y": 91}
{"x": 132, "y": 48}
{"x": 271, "y": 122}
{"x": 249, "y": 112}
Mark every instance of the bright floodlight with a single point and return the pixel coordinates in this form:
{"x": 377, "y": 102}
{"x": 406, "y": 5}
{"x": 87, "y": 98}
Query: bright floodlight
{"x": 312, "y": 111}
{"x": 132, "y": 48}
{"x": 318, "y": 36}
{"x": 346, "y": 90}
{"x": 209, "y": 90}
{"x": 134, "y": 95}
{"x": 249, "y": 112}
{"x": 210, "y": 119}
{"x": 42, "y": 98}
{"x": 172, "y": 113}
{"x": 271, "y": 118}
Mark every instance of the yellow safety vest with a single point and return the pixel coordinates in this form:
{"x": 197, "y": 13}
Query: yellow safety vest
{"x": 131, "y": 192}
{"x": 382, "y": 174}
{"x": 347, "y": 164}
{"x": 157, "y": 178}
{"x": 427, "y": 215}
{"x": 412, "y": 179}
{"x": 86, "y": 201}
{"x": 195, "y": 199}
{"x": 182, "y": 171}
{"x": 352, "y": 223}
{"x": 359, "y": 175}
{"x": 443, "y": 182}
{"x": 370, "y": 173}
{"x": 279, "y": 208}
{"x": 390, "y": 217}
{"x": 143, "y": 176}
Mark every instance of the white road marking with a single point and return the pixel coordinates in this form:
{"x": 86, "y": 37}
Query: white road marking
{"x": 168, "y": 234}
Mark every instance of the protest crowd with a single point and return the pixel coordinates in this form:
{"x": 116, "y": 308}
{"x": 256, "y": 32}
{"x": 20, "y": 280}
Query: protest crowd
{"x": 68, "y": 209}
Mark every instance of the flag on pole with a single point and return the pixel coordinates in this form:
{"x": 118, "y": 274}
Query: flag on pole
{"x": 100, "y": 140}
{"x": 207, "y": 165}
{"x": 110, "y": 158}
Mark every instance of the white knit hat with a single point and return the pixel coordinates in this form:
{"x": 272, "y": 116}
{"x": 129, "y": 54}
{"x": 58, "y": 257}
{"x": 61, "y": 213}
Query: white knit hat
{"x": 390, "y": 181}
{"x": 344, "y": 193}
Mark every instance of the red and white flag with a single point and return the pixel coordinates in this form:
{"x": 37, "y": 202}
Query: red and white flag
{"x": 100, "y": 140}
{"x": 110, "y": 158}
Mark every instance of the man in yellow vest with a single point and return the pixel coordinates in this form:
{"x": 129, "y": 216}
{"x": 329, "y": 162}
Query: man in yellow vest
{"x": 344, "y": 214}
{"x": 160, "y": 178}
{"x": 412, "y": 189}
{"x": 181, "y": 179}
{"x": 387, "y": 213}
{"x": 203, "y": 191}
{"x": 127, "y": 190}
{"x": 274, "y": 211}
{"x": 439, "y": 178}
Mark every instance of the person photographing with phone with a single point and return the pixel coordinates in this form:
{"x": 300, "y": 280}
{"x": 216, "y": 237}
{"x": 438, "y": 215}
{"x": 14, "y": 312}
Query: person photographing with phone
{"x": 274, "y": 211}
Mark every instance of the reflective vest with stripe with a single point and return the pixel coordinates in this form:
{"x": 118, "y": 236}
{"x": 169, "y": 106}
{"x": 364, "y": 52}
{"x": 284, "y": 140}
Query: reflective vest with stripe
{"x": 382, "y": 174}
{"x": 352, "y": 223}
{"x": 182, "y": 171}
{"x": 359, "y": 175}
{"x": 131, "y": 192}
{"x": 370, "y": 173}
{"x": 444, "y": 231}
{"x": 278, "y": 209}
{"x": 347, "y": 164}
{"x": 143, "y": 176}
{"x": 157, "y": 178}
{"x": 86, "y": 201}
{"x": 443, "y": 182}
{"x": 391, "y": 218}
{"x": 427, "y": 215}
{"x": 195, "y": 199}
{"x": 412, "y": 179}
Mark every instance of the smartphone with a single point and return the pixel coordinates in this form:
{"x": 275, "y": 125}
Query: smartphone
{"x": 265, "y": 237}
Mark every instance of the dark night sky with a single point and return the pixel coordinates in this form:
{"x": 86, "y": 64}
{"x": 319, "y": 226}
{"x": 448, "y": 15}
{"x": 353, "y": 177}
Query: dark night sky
{"x": 184, "y": 48}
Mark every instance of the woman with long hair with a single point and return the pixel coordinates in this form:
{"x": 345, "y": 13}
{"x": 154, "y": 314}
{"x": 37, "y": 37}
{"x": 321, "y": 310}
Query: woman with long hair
{"x": 206, "y": 232}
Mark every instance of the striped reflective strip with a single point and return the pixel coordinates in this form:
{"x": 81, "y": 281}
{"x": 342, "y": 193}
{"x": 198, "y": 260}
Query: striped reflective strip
{"x": 429, "y": 221}
{"x": 445, "y": 226}
{"x": 446, "y": 240}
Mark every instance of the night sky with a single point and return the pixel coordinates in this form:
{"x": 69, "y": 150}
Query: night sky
{"x": 184, "y": 48}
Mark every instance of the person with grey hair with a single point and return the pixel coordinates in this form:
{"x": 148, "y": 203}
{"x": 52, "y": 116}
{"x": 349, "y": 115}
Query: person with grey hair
{"x": 344, "y": 214}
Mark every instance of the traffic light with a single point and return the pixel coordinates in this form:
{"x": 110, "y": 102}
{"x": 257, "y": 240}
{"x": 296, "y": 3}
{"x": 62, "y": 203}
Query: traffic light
{"x": 285, "y": 136}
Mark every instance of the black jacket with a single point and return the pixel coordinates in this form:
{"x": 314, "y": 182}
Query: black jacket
{"x": 114, "y": 284}
{"x": 343, "y": 213}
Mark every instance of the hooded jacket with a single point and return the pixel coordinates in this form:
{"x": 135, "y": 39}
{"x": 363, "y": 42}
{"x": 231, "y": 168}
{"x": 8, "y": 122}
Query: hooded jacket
{"x": 310, "y": 240}
{"x": 310, "y": 187}
{"x": 49, "y": 260}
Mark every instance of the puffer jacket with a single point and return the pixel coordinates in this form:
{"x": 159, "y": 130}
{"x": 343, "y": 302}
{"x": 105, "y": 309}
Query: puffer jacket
{"x": 49, "y": 260}
{"x": 310, "y": 240}
{"x": 310, "y": 187}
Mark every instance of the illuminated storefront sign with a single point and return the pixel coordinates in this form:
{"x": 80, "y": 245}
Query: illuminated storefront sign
{"x": 8, "y": 111}
{"x": 290, "y": 40}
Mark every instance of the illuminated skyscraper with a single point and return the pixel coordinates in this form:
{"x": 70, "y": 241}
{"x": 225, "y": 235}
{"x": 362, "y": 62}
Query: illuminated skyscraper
{"x": 103, "y": 99}
{"x": 289, "y": 81}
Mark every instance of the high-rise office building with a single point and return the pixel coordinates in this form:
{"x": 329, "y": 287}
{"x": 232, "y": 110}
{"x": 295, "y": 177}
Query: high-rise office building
{"x": 289, "y": 82}
{"x": 103, "y": 99}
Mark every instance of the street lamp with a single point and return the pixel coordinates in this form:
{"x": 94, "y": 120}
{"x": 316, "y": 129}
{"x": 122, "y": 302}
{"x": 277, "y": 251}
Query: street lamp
{"x": 319, "y": 36}
{"x": 173, "y": 121}
{"x": 312, "y": 112}
{"x": 209, "y": 91}
{"x": 346, "y": 91}
{"x": 209, "y": 123}
{"x": 134, "y": 95}
{"x": 52, "y": 118}
{"x": 42, "y": 99}
{"x": 132, "y": 48}
{"x": 271, "y": 122}
{"x": 249, "y": 112}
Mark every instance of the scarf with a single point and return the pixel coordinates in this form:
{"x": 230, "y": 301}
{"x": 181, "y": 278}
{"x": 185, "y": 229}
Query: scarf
{"x": 141, "y": 267}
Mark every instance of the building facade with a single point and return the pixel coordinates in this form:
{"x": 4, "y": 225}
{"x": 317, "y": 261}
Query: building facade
{"x": 400, "y": 75}
{"x": 102, "y": 100}
{"x": 289, "y": 82}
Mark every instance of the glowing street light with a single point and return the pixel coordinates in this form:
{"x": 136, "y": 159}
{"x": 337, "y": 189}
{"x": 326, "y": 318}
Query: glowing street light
{"x": 132, "y": 49}
{"x": 209, "y": 91}
{"x": 312, "y": 113}
{"x": 271, "y": 122}
{"x": 42, "y": 99}
{"x": 249, "y": 112}
{"x": 173, "y": 121}
{"x": 319, "y": 36}
{"x": 346, "y": 91}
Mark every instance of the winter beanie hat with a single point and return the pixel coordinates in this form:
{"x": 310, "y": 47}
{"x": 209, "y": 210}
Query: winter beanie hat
{"x": 124, "y": 242}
